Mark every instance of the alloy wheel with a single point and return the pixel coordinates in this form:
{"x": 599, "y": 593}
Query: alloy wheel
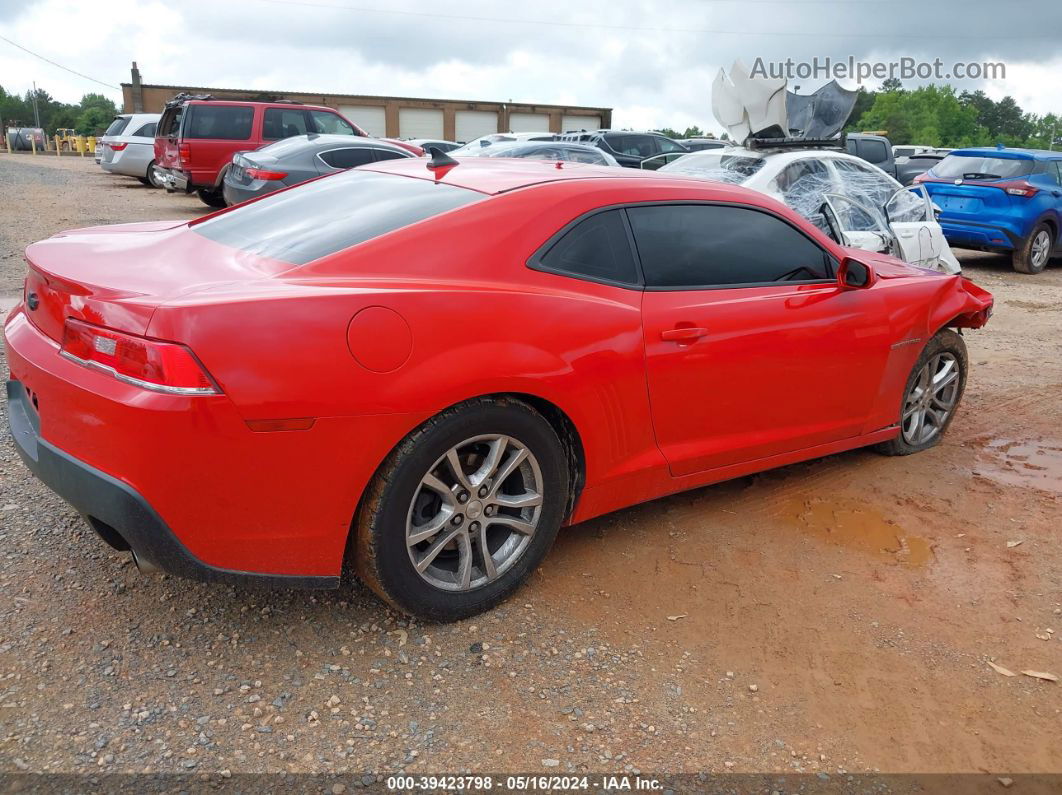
{"x": 1041, "y": 249}
{"x": 474, "y": 512}
{"x": 931, "y": 399}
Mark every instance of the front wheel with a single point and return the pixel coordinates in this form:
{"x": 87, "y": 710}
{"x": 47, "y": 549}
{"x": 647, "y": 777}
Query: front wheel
{"x": 1035, "y": 251}
{"x": 931, "y": 396}
{"x": 463, "y": 510}
{"x": 211, "y": 197}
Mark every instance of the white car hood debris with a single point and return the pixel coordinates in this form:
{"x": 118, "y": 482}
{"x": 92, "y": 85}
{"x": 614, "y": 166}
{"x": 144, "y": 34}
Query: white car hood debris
{"x": 759, "y": 107}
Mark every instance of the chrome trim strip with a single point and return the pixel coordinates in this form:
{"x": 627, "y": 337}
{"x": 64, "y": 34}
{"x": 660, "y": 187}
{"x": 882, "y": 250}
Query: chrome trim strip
{"x": 168, "y": 390}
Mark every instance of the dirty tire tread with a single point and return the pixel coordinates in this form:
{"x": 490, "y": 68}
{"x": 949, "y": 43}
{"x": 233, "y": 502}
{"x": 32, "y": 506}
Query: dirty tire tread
{"x": 363, "y": 549}
{"x": 944, "y": 340}
{"x": 1021, "y": 258}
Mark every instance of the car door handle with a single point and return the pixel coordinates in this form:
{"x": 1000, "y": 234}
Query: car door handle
{"x": 682, "y": 334}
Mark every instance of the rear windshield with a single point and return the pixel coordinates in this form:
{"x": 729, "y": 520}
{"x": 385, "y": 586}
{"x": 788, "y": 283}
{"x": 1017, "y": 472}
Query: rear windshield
{"x": 328, "y": 215}
{"x": 982, "y": 167}
{"x": 118, "y": 125}
{"x": 734, "y": 169}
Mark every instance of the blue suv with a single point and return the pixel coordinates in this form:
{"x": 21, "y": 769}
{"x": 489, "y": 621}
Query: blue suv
{"x": 1001, "y": 200}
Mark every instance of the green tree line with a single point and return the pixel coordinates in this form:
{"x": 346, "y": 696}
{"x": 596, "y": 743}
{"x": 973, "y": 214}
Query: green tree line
{"x": 940, "y": 116}
{"x": 90, "y": 116}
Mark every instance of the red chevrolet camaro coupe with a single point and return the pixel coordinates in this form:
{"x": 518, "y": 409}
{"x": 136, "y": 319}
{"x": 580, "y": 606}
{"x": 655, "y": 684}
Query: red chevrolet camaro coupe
{"x": 422, "y": 370}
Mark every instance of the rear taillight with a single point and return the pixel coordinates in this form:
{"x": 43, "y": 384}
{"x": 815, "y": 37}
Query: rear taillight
{"x": 264, "y": 173}
{"x": 151, "y": 364}
{"x": 184, "y": 153}
{"x": 1020, "y": 188}
{"x": 117, "y": 147}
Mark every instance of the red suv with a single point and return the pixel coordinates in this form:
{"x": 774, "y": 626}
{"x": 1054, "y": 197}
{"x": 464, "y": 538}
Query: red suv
{"x": 197, "y": 137}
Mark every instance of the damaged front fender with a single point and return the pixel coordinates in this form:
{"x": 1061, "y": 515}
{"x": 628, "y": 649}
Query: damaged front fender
{"x": 966, "y": 306}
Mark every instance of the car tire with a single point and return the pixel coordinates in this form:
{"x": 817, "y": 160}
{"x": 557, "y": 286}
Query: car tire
{"x": 1035, "y": 251}
{"x": 945, "y": 353}
{"x": 151, "y": 179}
{"x": 212, "y": 197}
{"x": 416, "y": 490}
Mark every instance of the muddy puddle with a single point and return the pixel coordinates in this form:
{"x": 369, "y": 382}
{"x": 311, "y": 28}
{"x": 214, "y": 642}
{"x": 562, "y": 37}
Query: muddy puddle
{"x": 856, "y": 526}
{"x": 1031, "y": 463}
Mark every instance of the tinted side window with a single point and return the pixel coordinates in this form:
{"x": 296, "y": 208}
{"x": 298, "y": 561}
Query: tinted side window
{"x": 283, "y": 123}
{"x": 387, "y": 154}
{"x": 348, "y": 158}
{"x": 873, "y": 151}
{"x": 118, "y": 125}
{"x": 1057, "y": 171}
{"x": 597, "y": 248}
{"x": 223, "y": 122}
{"x": 709, "y": 246}
{"x": 170, "y": 122}
{"x": 330, "y": 123}
{"x": 147, "y": 131}
{"x": 634, "y": 145}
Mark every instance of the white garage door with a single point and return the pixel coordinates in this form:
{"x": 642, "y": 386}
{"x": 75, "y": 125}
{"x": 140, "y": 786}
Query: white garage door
{"x": 371, "y": 119}
{"x": 420, "y": 123}
{"x": 580, "y": 123}
{"x": 528, "y": 122}
{"x": 472, "y": 124}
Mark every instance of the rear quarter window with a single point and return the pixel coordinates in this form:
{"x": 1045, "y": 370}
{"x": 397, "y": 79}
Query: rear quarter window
{"x": 328, "y": 215}
{"x": 219, "y": 122}
{"x": 118, "y": 125}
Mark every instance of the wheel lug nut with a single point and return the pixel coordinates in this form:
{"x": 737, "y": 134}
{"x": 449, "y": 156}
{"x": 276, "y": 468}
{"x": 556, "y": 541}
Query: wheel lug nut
{"x": 489, "y": 510}
{"x": 462, "y": 497}
{"x": 474, "y": 527}
{"x": 457, "y": 520}
{"x": 483, "y": 491}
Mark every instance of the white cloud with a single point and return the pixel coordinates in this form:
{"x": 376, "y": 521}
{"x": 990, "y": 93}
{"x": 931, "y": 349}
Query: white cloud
{"x": 659, "y": 75}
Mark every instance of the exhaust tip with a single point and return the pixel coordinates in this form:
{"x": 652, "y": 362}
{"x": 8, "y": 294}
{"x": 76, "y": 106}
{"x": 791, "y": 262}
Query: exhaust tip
{"x": 145, "y": 566}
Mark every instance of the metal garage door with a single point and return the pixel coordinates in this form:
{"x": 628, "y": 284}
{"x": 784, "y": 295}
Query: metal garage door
{"x": 420, "y": 123}
{"x": 471, "y": 124}
{"x": 528, "y": 122}
{"x": 580, "y": 123}
{"x": 370, "y": 118}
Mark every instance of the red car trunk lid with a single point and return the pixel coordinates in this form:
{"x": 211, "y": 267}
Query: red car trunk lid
{"x": 116, "y": 276}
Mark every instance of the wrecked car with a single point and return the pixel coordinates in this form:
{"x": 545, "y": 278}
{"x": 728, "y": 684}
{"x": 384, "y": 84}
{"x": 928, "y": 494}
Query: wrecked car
{"x": 874, "y": 212}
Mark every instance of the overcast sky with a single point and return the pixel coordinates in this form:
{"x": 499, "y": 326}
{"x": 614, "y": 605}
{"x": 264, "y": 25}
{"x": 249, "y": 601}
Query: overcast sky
{"x": 652, "y": 61}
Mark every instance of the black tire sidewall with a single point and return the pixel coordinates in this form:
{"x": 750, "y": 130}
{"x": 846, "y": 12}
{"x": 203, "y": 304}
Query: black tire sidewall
{"x": 393, "y": 568}
{"x": 1022, "y": 260}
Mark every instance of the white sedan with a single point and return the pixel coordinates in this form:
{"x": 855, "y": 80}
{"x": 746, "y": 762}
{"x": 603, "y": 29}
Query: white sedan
{"x": 833, "y": 188}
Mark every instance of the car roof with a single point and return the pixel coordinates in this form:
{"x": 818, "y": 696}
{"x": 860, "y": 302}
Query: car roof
{"x": 247, "y": 103}
{"x": 1012, "y": 152}
{"x": 499, "y": 175}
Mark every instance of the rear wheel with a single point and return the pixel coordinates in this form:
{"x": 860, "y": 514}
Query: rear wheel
{"x": 1033, "y": 254}
{"x": 211, "y": 197}
{"x": 463, "y": 510}
{"x": 931, "y": 396}
{"x": 152, "y": 176}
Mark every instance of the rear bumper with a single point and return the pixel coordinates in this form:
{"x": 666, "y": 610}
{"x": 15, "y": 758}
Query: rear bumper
{"x": 235, "y": 194}
{"x": 121, "y": 516}
{"x": 191, "y": 487}
{"x": 174, "y": 180}
{"x": 978, "y": 234}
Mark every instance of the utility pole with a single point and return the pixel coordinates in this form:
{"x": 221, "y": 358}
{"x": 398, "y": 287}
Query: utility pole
{"x": 36, "y": 112}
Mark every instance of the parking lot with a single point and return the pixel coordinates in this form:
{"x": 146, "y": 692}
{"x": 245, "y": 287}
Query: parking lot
{"x": 837, "y": 615}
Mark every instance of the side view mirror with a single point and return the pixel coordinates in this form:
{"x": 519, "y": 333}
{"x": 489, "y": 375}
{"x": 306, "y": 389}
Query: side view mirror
{"x": 855, "y": 274}
{"x": 936, "y": 211}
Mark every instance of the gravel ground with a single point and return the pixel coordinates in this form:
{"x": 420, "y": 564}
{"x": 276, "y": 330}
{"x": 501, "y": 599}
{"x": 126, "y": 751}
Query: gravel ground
{"x": 836, "y": 615}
